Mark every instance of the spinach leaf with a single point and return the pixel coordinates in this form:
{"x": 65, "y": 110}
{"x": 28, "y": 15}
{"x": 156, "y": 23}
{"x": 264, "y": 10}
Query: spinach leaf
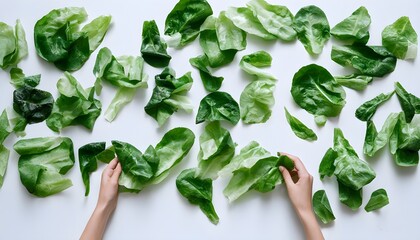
{"x": 210, "y": 82}
{"x": 322, "y": 207}
{"x": 153, "y": 48}
{"x": 400, "y": 39}
{"x": 216, "y": 150}
{"x": 13, "y": 45}
{"x": 246, "y": 158}
{"x": 350, "y": 170}
{"x": 184, "y": 21}
{"x": 349, "y": 197}
{"x": 58, "y": 40}
{"x": 169, "y": 95}
{"x": 315, "y": 90}
{"x": 366, "y": 111}
{"x": 405, "y": 141}
{"x": 327, "y": 167}
{"x": 409, "y": 103}
{"x": 276, "y": 19}
{"x": 4, "y": 158}
{"x": 43, "y": 162}
{"x": 256, "y": 101}
{"x": 354, "y": 28}
{"x": 354, "y": 81}
{"x": 378, "y": 199}
{"x": 218, "y": 106}
{"x": 74, "y": 106}
{"x": 5, "y": 128}
{"x": 245, "y": 19}
{"x": 252, "y": 63}
{"x": 373, "y": 61}
{"x": 88, "y": 161}
{"x": 263, "y": 176}
{"x": 313, "y": 29}
{"x": 228, "y": 35}
{"x": 375, "y": 141}
{"x": 18, "y": 78}
{"x": 33, "y": 104}
{"x": 300, "y": 129}
{"x": 198, "y": 191}
{"x": 286, "y": 162}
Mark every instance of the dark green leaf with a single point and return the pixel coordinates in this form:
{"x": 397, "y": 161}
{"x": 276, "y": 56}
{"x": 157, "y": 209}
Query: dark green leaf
{"x": 300, "y": 129}
{"x": 153, "y": 48}
{"x": 218, "y": 106}
{"x": 406, "y": 102}
{"x": 18, "y": 78}
{"x": 33, "y": 104}
{"x": 286, "y": 162}
{"x": 350, "y": 197}
{"x": 366, "y": 111}
{"x": 327, "y": 167}
{"x": 88, "y": 161}
{"x": 322, "y": 207}
{"x": 378, "y": 199}
{"x": 210, "y": 82}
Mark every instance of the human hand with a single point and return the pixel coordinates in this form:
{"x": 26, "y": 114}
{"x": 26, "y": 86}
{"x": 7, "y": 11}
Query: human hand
{"x": 108, "y": 193}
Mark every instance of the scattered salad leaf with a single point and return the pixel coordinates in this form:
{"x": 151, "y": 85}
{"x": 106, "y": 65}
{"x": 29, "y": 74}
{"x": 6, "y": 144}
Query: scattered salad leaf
{"x": 366, "y": 111}
{"x": 256, "y": 101}
{"x": 327, "y": 167}
{"x": 210, "y": 82}
{"x": 349, "y": 197}
{"x": 4, "y": 159}
{"x": 228, "y": 35}
{"x": 13, "y": 45}
{"x": 198, "y": 191}
{"x": 354, "y": 81}
{"x": 218, "y": 106}
{"x": 375, "y": 141}
{"x": 409, "y": 103}
{"x": 378, "y": 199}
{"x": 355, "y": 28}
{"x": 18, "y": 78}
{"x": 286, "y": 162}
{"x": 300, "y": 129}
{"x": 33, "y": 104}
{"x": 400, "y": 39}
{"x": 153, "y": 48}
{"x": 88, "y": 161}
{"x": 322, "y": 207}
{"x": 43, "y": 162}
{"x": 252, "y": 63}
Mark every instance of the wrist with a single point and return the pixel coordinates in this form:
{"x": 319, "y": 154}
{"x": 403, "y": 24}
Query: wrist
{"x": 104, "y": 209}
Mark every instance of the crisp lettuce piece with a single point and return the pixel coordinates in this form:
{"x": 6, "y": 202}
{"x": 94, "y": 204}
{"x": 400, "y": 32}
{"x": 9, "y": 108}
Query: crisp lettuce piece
{"x": 349, "y": 197}
{"x": 216, "y": 150}
{"x": 378, "y": 200}
{"x": 211, "y": 83}
{"x": 375, "y": 141}
{"x": 327, "y": 167}
{"x": 354, "y": 81}
{"x": 33, "y": 104}
{"x": 198, "y": 191}
{"x": 18, "y": 78}
{"x": 300, "y": 129}
{"x": 276, "y": 19}
{"x": 228, "y": 35}
{"x": 88, "y": 156}
{"x": 366, "y": 111}
{"x": 13, "y": 44}
{"x": 5, "y": 128}
{"x": 184, "y": 21}
{"x": 252, "y": 64}
{"x": 355, "y": 28}
{"x": 58, "y": 40}
{"x": 244, "y": 19}
{"x": 256, "y": 101}
{"x": 74, "y": 106}
{"x": 400, "y": 39}
{"x": 153, "y": 48}
{"x": 4, "y": 159}
{"x": 43, "y": 162}
{"x": 218, "y": 106}
{"x": 373, "y": 61}
{"x": 313, "y": 29}
{"x": 409, "y": 103}
{"x": 169, "y": 95}
{"x": 322, "y": 207}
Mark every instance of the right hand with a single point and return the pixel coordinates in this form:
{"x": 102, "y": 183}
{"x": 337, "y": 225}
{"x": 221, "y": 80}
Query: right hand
{"x": 108, "y": 193}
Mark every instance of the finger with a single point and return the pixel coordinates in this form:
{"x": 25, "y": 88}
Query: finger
{"x": 117, "y": 172}
{"x": 110, "y": 167}
{"x": 286, "y": 176}
{"x": 298, "y": 164}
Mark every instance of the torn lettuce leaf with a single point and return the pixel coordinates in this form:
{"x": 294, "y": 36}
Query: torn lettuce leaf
{"x": 228, "y": 35}
{"x": 355, "y": 28}
{"x": 43, "y": 162}
{"x": 33, "y": 104}
{"x": 153, "y": 48}
{"x": 378, "y": 200}
{"x": 366, "y": 111}
{"x": 409, "y": 103}
{"x": 322, "y": 207}
{"x": 400, "y": 39}
{"x": 211, "y": 83}
{"x": 88, "y": 157}
{"x": 354, "y": 81}
{"x": 327, "y": 167}
{"x": 256, "y": 101}
{"x": 13, "y": 45}
{"x": 300, "y": 129}
{"x": 4, "y": 159}
{"x": 375, "y": 141}
{"x": 312, "y": 28}
{"x": 216, "y": 150}
{"x": 18, "y": 78}
{"x": 349, "y": 197}
{"x": 169, "y": 95}
{"x": 58, "y": 39}
{"x": 198, "y": 191}
{"x": 218, "y": 106}
{"x": 252, "y": 64}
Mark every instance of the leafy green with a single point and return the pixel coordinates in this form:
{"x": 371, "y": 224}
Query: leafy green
{"x": 13, "y": 45}
{"x": 58, "y": 40}
{"x": 252, "y": 63}
{"x": 327, "y": 167}
{"x": 18, "y": 78}
{"x": 198, "y": 191}
{"x": 316, "y": 91}
{"x": 276, "y": 19}
{"x": 184, "y": 21}
{"x": 354, "y": 81}
{"x": 300, "y": 129}
{"x": 286, "y": 162}
{"x": 4, "y": 158}
{"x": 355, "y": 28}
{"x": 400, "y": 39}
{"x": 228, "y": 35}
{"x": 349, "y": 197}
{"x": 322, "y": 207}
{"x": 74, "y": 106}
{"x": 5, "y": 128}
{"x": 218, "y": 106}
{"x": 409, "y": 103}
{"x": 320, "y": 120}
{"x": 153, "y": 48}
{"x": 247, "y": 158}
{"x": 33, "y": 104}
{"x": 245, "y": 19}
{"x": 256, "y": 101}
{"x": 216, "y": 150}
{"x": 313, "y": 29}
{"x": 88, "y": 161}
{"x": 169, "y": 95}
{"x": 378, "y": 199}
{"x": 43, "y": 162}
{"x": 366, "y": 111}
{"x": 375, "y": 141}
{"x": 210, "y": 82}
{"x": 373, "y": 61}
{"x": 263, "y": 176}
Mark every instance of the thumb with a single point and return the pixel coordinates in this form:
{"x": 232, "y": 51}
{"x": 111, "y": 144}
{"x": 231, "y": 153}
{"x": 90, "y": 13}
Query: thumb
{"x": 286, "y": 176}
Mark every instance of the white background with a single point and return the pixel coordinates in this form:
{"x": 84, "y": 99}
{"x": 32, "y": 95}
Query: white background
{"x": 159, "y": 212}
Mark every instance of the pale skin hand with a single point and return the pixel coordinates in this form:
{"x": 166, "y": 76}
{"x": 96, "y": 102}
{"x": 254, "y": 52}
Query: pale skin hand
{"x": 299, "y": 187}
{"x": 107, "y": 202}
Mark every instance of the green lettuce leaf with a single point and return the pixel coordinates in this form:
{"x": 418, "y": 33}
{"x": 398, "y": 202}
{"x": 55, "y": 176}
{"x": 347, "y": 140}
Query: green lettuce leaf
{"x": 210, "y": 82}
{"x": 378, "y": 199}
{"x": 354, "y": 81}
{"x": 256, "y": 101}
{"x": 322, "y": 207}
{"x": 13, "y": 45}
{"x": 88, "y": 156}
{"x": 400, "y": 39}
{"x": 4, "y": 159}
{"x": 153, "y": 48}
{"x": 18, "y": 78}
{"x": 228, "y": 35}
{"x": 252, "y": 64}
{"x": 327, "y": 167}
{"x": 366, "y": 111}
{"x": 350, "y": 197}
{"x": 375, "y": 141}
{"x": 299, "y": 129}
{"x": 218, "y": 106}
{"x": 355, "y": 28}
{"x": 409, "y": 103}
{"x": 33, "y": 104}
